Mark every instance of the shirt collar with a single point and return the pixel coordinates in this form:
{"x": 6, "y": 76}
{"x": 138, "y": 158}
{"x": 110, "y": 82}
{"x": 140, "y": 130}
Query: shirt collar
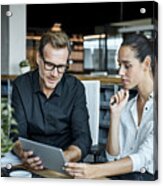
{"x": 133, "y": 108}
{"x": 36, "y": 84}
{"x": 58, "y": 89}
{"x": 149, "y": 97}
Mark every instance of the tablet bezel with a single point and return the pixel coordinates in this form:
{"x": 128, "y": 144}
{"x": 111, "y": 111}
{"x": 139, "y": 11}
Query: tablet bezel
{"x": 52, "y": 157}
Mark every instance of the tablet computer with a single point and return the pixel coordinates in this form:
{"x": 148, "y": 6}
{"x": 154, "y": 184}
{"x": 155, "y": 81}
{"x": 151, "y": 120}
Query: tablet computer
{"x": 51, "y": 157}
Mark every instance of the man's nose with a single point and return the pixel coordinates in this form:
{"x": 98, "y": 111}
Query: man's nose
{"x": 54, "y": 72}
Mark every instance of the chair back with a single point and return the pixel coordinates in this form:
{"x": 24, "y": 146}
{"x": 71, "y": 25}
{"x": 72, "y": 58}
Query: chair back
{"x": 92, "y": 89}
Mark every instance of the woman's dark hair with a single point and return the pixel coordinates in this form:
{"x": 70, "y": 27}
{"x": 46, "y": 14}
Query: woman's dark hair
{"x": 142, "y": 47}
{"x": 140, "y": 44}
{"x": 56, "y": 39}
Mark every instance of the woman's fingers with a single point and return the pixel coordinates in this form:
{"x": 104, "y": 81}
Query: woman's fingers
{"x": 75, "y": 174}
{"x": 80, "y": 170}
{"x": 119, "y": 96}
{"x": 74, "y": 167}
{"x": 126, "y": 94}
{"x": 75, "y": 170}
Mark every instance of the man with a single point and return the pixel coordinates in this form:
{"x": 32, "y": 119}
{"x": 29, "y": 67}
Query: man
{"x": 50, "y": 105}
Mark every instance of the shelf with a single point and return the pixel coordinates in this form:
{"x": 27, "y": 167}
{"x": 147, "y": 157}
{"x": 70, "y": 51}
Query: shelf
{"x": 76, "y": 67}
{"x": 103, "y": 79}
{"x": 78, "y": 48}
{"x": 8, "y": 77}
{"x": 77, "y": 38}
{"x": 76, "y": 55}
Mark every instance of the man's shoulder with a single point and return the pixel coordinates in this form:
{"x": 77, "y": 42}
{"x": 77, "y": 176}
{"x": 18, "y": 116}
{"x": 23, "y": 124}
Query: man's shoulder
{"x": 71, "y": 80}
{"x": 23, "y": 78}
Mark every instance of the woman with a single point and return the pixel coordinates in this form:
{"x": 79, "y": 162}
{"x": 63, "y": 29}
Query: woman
{"x": 130, "y": 145}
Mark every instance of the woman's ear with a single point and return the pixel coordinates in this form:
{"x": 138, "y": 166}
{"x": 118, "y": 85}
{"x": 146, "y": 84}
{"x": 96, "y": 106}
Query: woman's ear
{"x": 147, "y": 63}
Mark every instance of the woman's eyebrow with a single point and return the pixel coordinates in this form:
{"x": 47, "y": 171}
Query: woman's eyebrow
{"x": 123, "y": 61}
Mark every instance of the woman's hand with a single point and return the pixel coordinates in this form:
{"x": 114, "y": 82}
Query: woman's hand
{"x": 118, "y": 101}
{"x": 82, "y": 170}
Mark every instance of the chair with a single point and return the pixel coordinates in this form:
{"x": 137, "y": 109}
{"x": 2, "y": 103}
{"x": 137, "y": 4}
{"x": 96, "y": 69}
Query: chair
{"x": 92, "y": 89}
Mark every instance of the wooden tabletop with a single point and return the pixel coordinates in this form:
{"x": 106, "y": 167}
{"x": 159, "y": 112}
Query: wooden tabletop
{"x": 46, "y": 173}
{"x": 51, "y": 174}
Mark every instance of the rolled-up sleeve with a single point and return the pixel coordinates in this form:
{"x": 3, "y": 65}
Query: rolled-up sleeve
{"x": 144, "y": 157}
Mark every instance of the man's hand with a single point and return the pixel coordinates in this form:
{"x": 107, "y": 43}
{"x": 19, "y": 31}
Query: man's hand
{"x": 27, "y": 157}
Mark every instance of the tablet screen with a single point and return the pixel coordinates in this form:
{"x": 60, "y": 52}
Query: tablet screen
{"x": 52, "y": 157}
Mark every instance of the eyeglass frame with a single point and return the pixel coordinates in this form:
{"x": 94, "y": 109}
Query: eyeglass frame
{"x": 54, "y": 66}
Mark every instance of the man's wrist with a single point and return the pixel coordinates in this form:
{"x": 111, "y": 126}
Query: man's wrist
{"x": 72, "y": 153}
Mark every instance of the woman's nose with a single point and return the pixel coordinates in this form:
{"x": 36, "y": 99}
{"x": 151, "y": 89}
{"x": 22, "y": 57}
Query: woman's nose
{"x": 122, "y": 71}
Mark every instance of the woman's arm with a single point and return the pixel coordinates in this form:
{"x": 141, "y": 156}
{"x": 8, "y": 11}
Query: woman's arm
{"x": 82, "y": 170}
{"x": 117, "y": 103}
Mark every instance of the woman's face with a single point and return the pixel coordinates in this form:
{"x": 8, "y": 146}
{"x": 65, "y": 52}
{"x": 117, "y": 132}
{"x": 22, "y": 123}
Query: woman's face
{"x": 131, "y": 69}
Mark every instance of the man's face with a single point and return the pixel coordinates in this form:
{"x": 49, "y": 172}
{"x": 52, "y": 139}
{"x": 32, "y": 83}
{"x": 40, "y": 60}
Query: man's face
{"x": 51, "y": 56}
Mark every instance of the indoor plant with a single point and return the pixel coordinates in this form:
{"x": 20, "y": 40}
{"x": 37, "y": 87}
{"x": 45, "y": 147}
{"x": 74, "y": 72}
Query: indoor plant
{"x": 24, "y": 66}
{"x": 8, "y": 127}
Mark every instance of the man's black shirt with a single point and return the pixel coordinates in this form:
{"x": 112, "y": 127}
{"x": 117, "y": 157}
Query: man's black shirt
{"x": 60, "y": 120}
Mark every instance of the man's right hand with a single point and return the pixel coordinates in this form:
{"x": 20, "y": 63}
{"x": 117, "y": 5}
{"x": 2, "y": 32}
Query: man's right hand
{"x": 27, "y": 157}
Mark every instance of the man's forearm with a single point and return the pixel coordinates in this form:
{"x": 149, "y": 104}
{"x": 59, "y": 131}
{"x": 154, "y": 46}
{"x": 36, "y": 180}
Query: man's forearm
{"x": 17, "y": 149}
{"x": 73, "y": 153}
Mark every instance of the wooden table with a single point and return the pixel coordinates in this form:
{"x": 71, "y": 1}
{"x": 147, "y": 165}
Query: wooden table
{"x": 46, "y": 173}
{"x": 51, "y": 174}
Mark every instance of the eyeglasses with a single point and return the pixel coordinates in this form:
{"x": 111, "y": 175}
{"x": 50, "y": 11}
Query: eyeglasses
{"x": 50, "y": 66}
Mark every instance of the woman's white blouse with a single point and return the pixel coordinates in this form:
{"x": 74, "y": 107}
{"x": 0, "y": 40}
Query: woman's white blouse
{"x": 138, "y": 142}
